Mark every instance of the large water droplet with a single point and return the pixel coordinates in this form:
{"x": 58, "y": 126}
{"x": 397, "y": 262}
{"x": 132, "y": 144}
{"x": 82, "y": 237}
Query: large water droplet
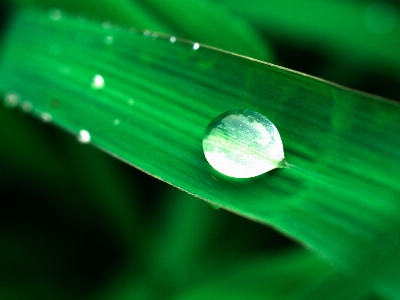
{"x": 83, "y": 136}
{"x": 242, "y": 144}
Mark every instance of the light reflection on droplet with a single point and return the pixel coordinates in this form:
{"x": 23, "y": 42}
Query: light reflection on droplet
{"x": 116, "y": 122}
{"x": 11, "y": 100}
{"x": 97, "y": 82}
{"x": 26, "y": 106}
{"x": 172, "y": 39}
{"x": 243, "y": 144}
{"x": 381, "y": 17}
{"x": 196, "y": 46}
{"x": 131, "y": 102}
{"x": 147, "y": 33}
{"x": 55, "y": 14}
{"x": 46, "y": 117}
{"x": 83, "y": 136}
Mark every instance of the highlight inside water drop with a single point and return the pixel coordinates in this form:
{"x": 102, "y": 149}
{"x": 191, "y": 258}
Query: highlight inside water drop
{"x": 243, "y": 144}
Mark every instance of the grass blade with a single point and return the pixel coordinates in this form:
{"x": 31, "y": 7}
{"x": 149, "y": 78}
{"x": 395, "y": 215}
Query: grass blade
{"x": 341, "y": 198}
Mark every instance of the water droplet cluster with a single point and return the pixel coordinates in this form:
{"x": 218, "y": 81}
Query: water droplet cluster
{"x": 13, "y": 100}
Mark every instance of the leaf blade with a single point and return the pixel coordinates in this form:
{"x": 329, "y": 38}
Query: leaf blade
{"x": 329, "y": 132}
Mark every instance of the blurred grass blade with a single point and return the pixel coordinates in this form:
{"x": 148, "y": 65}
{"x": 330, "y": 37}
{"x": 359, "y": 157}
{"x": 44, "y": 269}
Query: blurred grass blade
{"x": 290, "y": 275}
{"x": 364, "y": 33}
{"x": 146, "y": 99}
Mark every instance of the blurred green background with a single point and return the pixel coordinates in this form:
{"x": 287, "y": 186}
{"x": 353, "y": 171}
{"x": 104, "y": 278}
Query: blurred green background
{"x": 76, "y": 223}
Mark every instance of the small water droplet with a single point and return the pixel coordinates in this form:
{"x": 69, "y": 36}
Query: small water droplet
{"x": 381, "y": 17}
{"x": 172, "y": 39}
{"x": 11, "y": 100}
{"x": 211, "y": 205}
{"x": 147, "y": 33}
{"x": 109, "y": 40}
{"x": 131, "y": 102}
{"x": 45, "y": 117}
{"x": 65, "y": 70}
{"x": 83, "y": 136}
{"x": 26, "y": 106}
{"x": 107, "y": 25}
{"x": 196, "y": 46}
{"x": 55, "y": 14}
{"x": 243, "y": 144}
{"x": 116, "y": 122}
{"x": 154, "y": 35}
{"x": 97, "y": 82}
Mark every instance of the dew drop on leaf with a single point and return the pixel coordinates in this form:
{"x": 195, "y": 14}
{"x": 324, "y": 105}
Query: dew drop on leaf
{"x": 55, "y": 14}
{"x": 26, "y": 106}
{"x": 83, "y": 136}
{"x": 11, "y": 100}
{"x": 211, "y": 205}
{"x": 46, "y": 117}
{"x": 242, "y": 144}
{"x": 107, "y": 25}
{"x": 109, "y": 40}
{"x": 97, "y": 82}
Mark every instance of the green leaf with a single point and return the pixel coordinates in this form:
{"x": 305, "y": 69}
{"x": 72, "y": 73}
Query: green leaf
{"x": 340, "y": 198}
{"x": 361, "y": 33}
